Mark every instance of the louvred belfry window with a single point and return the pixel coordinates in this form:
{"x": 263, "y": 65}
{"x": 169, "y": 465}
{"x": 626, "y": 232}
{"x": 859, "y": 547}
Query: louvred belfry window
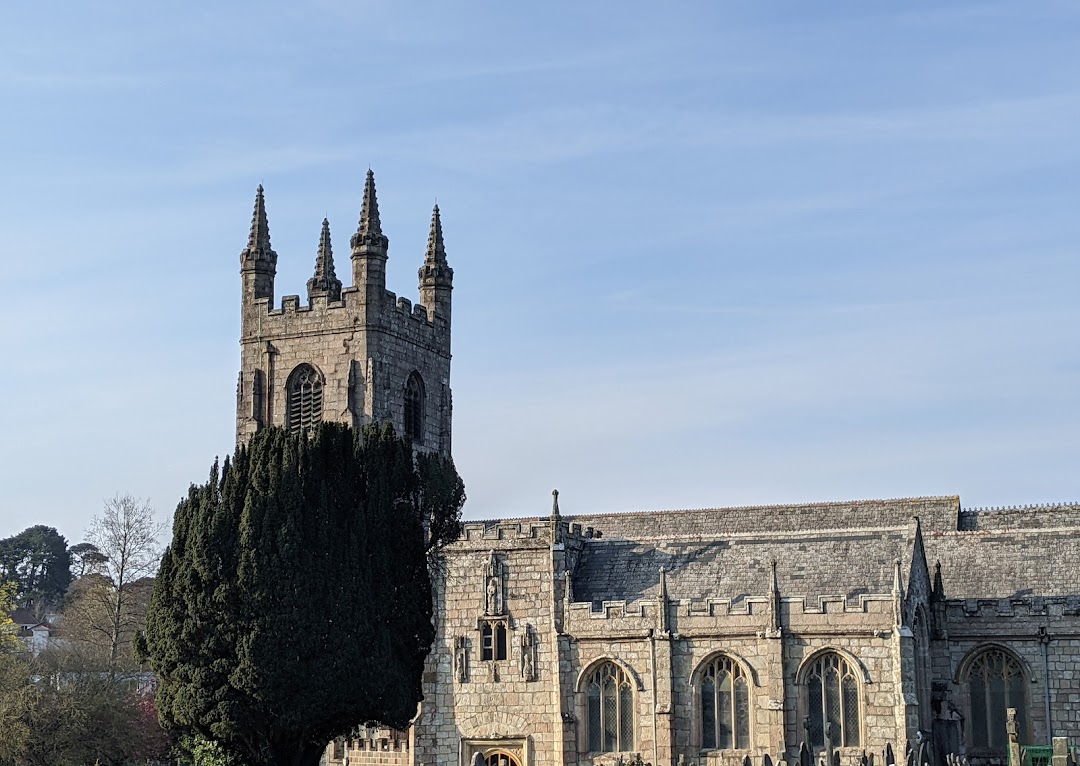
{"x": 304, "y": 392}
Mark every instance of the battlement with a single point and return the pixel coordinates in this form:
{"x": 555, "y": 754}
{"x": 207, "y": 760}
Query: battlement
{"x": 486, "y": 532}
{"x": 532, "y": 528}
{"x": 959, "y": 610}
{"x": 396, "y": 315}
{"x": 866, "y": 613}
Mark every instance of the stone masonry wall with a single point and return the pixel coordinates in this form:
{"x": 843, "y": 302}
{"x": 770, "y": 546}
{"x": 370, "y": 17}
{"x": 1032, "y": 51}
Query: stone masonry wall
{"x": 495, "y": 705}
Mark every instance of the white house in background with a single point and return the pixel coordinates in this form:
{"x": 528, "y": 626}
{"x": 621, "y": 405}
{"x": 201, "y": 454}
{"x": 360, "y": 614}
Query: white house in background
{"x": 34, "y": 633}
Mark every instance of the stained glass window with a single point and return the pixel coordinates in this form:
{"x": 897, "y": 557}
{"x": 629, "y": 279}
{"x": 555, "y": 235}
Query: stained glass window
{"x": 832, "y": 696}
{"x": 995, "y": 681}
{"x": 725, "y": 706}
{"x": 610, "y": 698}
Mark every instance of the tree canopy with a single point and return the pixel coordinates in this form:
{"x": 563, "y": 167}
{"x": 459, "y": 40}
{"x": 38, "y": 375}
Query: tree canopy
{"x": 8, "y": 629}
{"x": 38, "y": 562}
{"x": 294, "y": 602}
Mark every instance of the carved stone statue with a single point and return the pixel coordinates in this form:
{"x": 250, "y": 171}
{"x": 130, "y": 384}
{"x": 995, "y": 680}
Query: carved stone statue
{"x": 494, "y": 603}
{"x": 461, "y": 660}
{"x": 492, "y": 597}
{"x": 528, "y": 655}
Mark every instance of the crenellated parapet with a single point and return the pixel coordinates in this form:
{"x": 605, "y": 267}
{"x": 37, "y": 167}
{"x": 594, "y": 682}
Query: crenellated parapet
{"x": 869, "y": 614}
{"x": 481, "y": 533}
{"x": 1018, "y": 609}
{"x": 319, "y": 315}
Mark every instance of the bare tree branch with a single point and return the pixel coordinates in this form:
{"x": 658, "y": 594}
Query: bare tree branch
{"x": 126, "y": 534}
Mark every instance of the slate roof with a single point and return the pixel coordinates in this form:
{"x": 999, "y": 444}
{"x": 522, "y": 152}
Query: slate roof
{"x": 828, "y": 549}
{"x": 24, "y": 618}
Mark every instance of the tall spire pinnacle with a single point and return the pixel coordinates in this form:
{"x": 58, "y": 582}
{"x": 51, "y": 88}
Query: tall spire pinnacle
{"x": 258, "y": 245}
{"x": 774, "y": 599}
{"x": 369, "y": 232}
{"x": 436, "y": 276}
{"x": 898, "y": 595}
{"x": 325, "y": 281}
{"x": 436, "y": 249}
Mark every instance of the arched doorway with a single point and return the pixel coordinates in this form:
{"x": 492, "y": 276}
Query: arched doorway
{"x": 499, "y": 757}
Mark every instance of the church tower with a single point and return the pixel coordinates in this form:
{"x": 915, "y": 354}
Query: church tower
{"x": 356, "y": 354}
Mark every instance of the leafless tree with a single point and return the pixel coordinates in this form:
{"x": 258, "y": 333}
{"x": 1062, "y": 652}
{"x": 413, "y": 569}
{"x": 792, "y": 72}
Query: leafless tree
{"x": 111, "y": 609}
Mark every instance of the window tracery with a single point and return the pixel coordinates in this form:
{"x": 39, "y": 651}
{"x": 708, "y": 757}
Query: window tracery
{"x": 832, "y": 697}
{"x": 492, "y": 639}
{"x": 995, "y": 682}
{"x": 725, "y": 706}
{"x": 610, "y": 709}
{"x": 414, "y": 408}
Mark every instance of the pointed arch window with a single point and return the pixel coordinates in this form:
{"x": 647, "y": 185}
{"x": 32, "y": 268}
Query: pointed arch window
{"x": 832, "y": 697}
{"x": 304, "y": 394}
{"x": 995, "y": 682}
{"x": 725, "y": 706}
{"x": 414, "y": 408}
{"x": 493, "y": 639}
{"x": 610, "y": 709}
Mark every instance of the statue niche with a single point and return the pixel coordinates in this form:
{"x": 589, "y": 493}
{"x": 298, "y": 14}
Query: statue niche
{"x": 528, "y": 654}
{"x": 494, "y": 599}
{"x": 461, "y": 659}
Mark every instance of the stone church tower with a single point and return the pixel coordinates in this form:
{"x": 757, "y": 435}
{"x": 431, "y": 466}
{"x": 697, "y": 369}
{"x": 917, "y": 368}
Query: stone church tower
{"x": 355, "y": 354}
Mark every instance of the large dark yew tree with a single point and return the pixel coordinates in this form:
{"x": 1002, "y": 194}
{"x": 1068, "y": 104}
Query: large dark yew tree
{"x": 294, "y": 602}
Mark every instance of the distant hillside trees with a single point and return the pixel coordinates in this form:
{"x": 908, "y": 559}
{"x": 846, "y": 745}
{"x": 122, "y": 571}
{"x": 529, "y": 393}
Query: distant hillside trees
{"x": 294, "y": 602}
{"x": 85, "y": 559}
{"x": 38, "y": 562}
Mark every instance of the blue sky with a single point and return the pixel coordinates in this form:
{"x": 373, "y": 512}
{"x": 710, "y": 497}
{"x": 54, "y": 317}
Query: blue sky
{"x": 705, "y": 254}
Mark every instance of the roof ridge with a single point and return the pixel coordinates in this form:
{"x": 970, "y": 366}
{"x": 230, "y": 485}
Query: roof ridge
{"x": 1027, "y": 507}
{"x": 773, "y": 506}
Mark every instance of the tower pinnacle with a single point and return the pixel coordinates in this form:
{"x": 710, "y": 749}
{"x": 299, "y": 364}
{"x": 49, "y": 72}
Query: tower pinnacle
{"x": 436, "y": 249}
{"x": 325, "y": 281}
{"x": 258, "y": 261}
{"x": 369, "y": 232}
{"x": 436, "y": 276}
{"x": 258, "y": 245}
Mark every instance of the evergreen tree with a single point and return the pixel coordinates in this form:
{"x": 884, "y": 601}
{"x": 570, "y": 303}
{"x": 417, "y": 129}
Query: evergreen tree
{"x": 294, "y": 602}
{"x": 38, "y": 562}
